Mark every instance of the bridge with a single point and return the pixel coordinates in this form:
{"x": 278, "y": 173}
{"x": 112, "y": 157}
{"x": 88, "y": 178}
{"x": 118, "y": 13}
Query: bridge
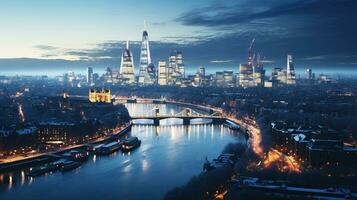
{"x": 186, "y": 115}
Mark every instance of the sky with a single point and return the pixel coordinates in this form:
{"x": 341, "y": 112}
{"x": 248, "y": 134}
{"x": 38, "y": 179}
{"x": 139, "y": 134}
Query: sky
{"x": 51, "y": 36}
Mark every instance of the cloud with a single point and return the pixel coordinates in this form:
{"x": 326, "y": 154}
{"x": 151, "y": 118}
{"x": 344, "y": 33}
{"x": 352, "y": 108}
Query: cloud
{"x": 322, "y": 57}
{"x": 267, "y": 61}
{"x": 220, "y": 61}
{"x": 302, "y": 28}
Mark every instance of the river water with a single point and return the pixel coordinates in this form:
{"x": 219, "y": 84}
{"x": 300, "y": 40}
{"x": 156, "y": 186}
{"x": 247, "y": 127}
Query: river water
{"x": 170, "y": 154}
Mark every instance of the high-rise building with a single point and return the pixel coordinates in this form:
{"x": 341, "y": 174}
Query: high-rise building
{"x": 228, "y": 78}
{"x": 162, "y": 75}
{"x": 90, "y": 76}
{"x": 258, "y": 72}
{"x": 151, "y": 77}
{"x": 219, "y": 79}
{"x": 290, "y": 71}
{"x": 127, "y": 66}
{"x": 308, "y": 74}
{"x": 202, "y": 71}
{"x": 251, "y": 74}
{"x": 176, "y": 69}
{"x": 278, "y": 77}
{"x": 245, "y": 75}
{"x": 108, "y": 75}
{"x": 147, "y": 69}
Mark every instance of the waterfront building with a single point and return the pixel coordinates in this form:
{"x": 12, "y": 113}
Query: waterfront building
{"x": 102, "y": 96}
{"x": 162, "y": 75}
{"x": 54, "y": 132}
{"x": 90, "y": 76}
{"x": 127, "y": 66}
{"x": 146, "y": 73}
{"x": 290, "y": 71}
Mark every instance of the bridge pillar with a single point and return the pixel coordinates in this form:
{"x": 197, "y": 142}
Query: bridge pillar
{"x": 186, "y": 121}
{"x": 217, "y": 120}
{"x": 156, "y": 122}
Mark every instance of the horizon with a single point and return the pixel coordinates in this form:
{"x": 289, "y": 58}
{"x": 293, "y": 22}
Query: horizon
{"x": 213, "y": 34}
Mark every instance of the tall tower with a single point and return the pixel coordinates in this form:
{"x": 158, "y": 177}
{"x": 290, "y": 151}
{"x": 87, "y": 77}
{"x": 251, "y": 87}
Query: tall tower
{"x": 145, "y": 59}
{"x": 162, "y": 75}
{"x": 90, "y": 76}
{"x": 127, "y": 66}
{"x": 290, "y": 71}
{"x": 176, "y": 70}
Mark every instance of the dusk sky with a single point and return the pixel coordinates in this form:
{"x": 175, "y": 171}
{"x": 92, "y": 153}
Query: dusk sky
{"x": 76, "y": 34}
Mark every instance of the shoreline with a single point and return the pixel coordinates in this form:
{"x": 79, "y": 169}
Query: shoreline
{"x": 49, "y": 156}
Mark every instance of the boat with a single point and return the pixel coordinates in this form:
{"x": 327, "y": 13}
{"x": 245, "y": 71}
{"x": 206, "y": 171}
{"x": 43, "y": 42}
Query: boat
{"x": 109, "y": 148}
{"x": 131, "y": 101}
{"x": 223, "y": 160}
{"x": 130, "y": 143}
{"x": 76, "y": 155}
{"x": 69, "y": 165}
{"x": 94, "y": 147}
{"x": 38, "y": 171}
{"x": 57, "y": 164}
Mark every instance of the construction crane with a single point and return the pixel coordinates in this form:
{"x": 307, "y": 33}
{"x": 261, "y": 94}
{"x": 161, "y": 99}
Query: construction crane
{"x": 250, "y": 53}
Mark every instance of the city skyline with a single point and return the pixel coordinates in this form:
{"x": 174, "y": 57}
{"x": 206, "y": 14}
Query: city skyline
{"x": 178, "y": 100}
{"x": 222, "y": 30}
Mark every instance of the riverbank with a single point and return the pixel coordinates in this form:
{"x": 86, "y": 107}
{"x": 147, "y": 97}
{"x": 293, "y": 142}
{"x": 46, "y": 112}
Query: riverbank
{"x": 49, "y": 156}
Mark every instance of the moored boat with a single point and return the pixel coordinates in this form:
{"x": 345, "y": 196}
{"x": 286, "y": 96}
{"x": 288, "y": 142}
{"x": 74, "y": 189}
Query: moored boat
{"x": 69, "y": 165}
{"x": 109, "y": 148}
{"x": 38, "y": 171}
{"x": 130, "y": 143}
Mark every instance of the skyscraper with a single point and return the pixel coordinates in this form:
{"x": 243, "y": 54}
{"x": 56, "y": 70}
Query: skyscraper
{"x": 290, "y": 71}
{"x": 251, "y": 74}
{"x": 145, "y": 78}
{"x": 228, "y": 78}
{"x": 202, "y": 71}
{"x": 90, "y": 76}
{"x": 245, "y": 75}
{"x": 308, "y": 74}
{"x": 162, "y": 75}
{"x": 278, "y": 77}
{"x": 176, "y": 69}
{"x": 127, "y": 66}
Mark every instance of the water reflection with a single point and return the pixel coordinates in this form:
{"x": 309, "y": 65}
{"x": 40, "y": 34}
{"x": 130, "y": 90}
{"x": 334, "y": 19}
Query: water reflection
{"x": 172, "y": 152}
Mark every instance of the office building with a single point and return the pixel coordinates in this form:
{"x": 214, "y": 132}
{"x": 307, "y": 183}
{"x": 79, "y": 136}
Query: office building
{"x": 162, "y": 74}
{"x": 90, "y": 76}
{"x": 290, "y": 71}
{"x": 176, "y": 69}
{"x": 147, "y": 69}
{"x": 127, "y": 66}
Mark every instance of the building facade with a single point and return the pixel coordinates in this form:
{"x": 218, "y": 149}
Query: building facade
{"x": 162, "y": 75}
{"x": 96, "y": 96}
{"x": 127, "y": 66}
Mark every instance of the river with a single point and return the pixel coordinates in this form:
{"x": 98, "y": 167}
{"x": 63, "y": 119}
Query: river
{"x": 170, "y": 154}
